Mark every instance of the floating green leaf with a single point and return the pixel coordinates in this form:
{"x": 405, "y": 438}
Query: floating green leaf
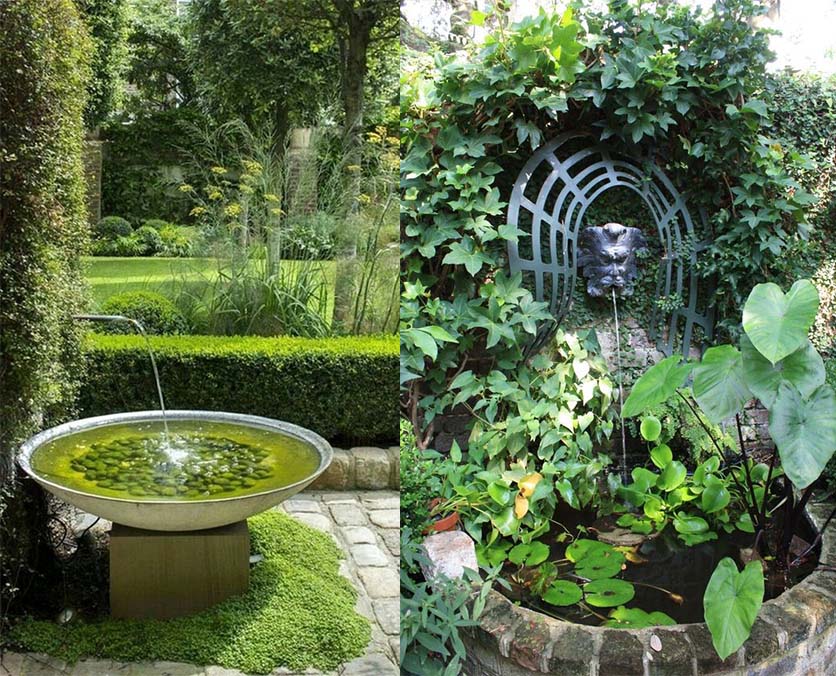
{"x": 719, "y": 385}
{"x": 608, "y": 593}
{"x": 563, "y": 593}
{"x": 803, "y": 368}
{"x": 636, "y": 618}
{"x": 529, "y": 554}
{"x": 777, "y": 324}
{"x": 731, "y": 604}
{"x": 804, "y": 430}
{"x": 600, "y": 563}
{"x": 659, "y": 383}
{"x": 582, "y": 547}
{"x": 650, "y": 428}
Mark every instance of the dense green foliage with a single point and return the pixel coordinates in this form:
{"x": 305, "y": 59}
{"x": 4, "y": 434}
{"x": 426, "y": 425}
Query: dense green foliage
{"x": 156, "y": 313}
{"x": 777, "y": 365}
{"x": 43, "y": 78}
{"x": 298, "y": 613}
{"x": 419, "y": 484}
{"x": 683, "y": 87}
{"x": 136, "y": 183}
{"x": 341, "y": 388}
{"x": 286, "y": 71}
{"x": 107, "y": 24}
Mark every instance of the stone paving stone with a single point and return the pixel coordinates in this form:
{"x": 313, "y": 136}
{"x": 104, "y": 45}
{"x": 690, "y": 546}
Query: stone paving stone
{"x": 100, "y": 668}
{"x": 348, "y": 515}
{"x": 388, "y": 614}
{"x": 330, "y": 497}
{"x": 223, "y": 671}
{"x": 318, "y": 521}
{"x": 369, "y": 555}
{"x": 356, "y": 535}
{"x": 392, "y": 539}
{"x": 11, "y": 664}
{"x": 370, "y": 665}
{"x": 37, "y": 664}
{"x": 295, "y": 505}
{"x": 386, "y": 518}
{"x": 390, "y": 501}
{"x": 380, "y": 582}
{"x": 165, "y": 669}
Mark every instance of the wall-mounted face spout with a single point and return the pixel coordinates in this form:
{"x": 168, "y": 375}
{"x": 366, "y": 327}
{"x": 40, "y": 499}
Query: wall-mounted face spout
{"x": 607, "y": 254}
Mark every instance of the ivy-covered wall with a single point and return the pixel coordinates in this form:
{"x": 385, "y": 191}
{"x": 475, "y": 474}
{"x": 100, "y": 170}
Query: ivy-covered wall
{"x": 44, "y": 52}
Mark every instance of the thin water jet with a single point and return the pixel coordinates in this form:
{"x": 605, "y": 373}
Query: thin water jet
{"x": 624, "y": 477}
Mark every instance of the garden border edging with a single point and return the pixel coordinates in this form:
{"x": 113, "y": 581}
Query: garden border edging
{"x": 794, "y": 634}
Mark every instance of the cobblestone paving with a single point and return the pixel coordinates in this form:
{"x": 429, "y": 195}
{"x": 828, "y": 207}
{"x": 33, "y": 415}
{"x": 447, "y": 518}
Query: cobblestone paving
{"x": 364, "y": 525}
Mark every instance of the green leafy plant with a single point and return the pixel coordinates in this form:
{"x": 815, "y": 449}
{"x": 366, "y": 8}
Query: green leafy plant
{"x": 156, "y": 313}
{"x": 777, "y": 364}
{"x": 534, "y": 440}
{"x": 433, "y": 615}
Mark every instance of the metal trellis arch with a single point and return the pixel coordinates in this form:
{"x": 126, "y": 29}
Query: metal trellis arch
{"x": 549, "y": 202}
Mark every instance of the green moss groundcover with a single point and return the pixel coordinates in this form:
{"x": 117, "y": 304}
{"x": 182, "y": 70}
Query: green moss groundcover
{"x": 298, "y": 613}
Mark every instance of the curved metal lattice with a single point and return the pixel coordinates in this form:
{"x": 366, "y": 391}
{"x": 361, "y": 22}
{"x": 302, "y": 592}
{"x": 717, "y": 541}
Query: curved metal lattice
{"x": 549, "y": 202}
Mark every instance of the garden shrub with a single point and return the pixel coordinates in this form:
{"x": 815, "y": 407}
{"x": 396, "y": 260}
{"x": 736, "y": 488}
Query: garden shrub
{"x": 156, "y": 223}
{"x": 156, "y": 313}
{"x": 298, "y": 613}
{"x": 342, "y": 388}
{"x": 419, "y": 484}
{"x": 177, "y": 241}
{"x": 149, "y": 240}
{"x": 111, "y": 227}
{"x": 43, "y": 77}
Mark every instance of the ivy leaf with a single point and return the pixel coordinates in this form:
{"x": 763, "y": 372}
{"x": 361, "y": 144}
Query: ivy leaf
{"x": 731, "y": 603}
{"x": 463, "y": 253}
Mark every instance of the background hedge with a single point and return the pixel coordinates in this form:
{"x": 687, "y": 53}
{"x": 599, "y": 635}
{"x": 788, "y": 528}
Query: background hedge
{"x": 345, "y": 389}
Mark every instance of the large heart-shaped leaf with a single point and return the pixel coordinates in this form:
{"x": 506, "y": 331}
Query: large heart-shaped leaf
{"x": 804, "y": 430}
{"x": 659, "y": 383}
{"x": 715, "y": 496}
{"x": 608, "y": 593}
{"x": 731, "y": 604}
{"x": 672, "y": 476}
{"x": 777, "y": 324}
{"x": 719, "y": 385}
{"x": 563, "y": 593}
{"x": 803, "y": 368}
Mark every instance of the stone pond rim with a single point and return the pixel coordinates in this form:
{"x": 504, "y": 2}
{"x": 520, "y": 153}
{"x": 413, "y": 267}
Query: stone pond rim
{"x": 794, "y": 634}
{"x": 175, "y": 515}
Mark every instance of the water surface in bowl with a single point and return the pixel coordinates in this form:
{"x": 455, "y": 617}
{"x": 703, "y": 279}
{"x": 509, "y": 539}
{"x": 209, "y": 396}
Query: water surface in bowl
{"x": 197, "y": 460}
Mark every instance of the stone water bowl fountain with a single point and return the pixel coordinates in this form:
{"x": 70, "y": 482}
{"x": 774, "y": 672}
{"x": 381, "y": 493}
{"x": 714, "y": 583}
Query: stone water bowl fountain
{"x": 189, "y": 470}
{"x": 178, "y": 487}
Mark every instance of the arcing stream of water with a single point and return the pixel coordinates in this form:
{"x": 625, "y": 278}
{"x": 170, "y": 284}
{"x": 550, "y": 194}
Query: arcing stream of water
{"x": 139, "y": 327}
{"x": 620, "y": 388}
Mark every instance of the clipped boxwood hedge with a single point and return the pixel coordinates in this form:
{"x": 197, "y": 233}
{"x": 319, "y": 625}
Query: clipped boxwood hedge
{"x": 345, "y": 389}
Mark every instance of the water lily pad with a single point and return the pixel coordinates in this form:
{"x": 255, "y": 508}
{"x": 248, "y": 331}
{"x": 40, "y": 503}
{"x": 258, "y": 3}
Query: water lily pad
{"x": 563, "y": 593}
{"x": 583, "y": 547}
{"x": 529, "y": 554}
{"x": 636, "y": 618}
{"x": 608, "y": 593}
{"x": 600, "y": 563}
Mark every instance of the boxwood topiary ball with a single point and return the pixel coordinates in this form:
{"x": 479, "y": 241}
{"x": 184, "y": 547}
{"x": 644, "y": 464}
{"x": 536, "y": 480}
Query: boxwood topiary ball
{"x": 153, "y": 310}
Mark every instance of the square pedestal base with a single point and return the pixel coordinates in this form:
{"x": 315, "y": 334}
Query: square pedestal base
{"x": 165, "y": 574}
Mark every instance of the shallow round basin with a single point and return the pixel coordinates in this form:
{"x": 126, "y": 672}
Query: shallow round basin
{"x": 206, "y": 469}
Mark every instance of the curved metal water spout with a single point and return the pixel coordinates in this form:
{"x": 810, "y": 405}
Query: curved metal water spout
{"x": 138, "y": 325}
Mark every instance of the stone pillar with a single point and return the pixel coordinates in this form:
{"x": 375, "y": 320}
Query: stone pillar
{"x": 302, "y": 172}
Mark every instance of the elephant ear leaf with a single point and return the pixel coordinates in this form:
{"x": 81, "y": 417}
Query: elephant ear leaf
{"x": 804, "y": 430}
{"x": 719, "y": 384}
{"x": 778, "y": 323}
{"x": 731, "y": 603}
{"x": 803, "y": 368}
{"x": 659, "y": 383}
